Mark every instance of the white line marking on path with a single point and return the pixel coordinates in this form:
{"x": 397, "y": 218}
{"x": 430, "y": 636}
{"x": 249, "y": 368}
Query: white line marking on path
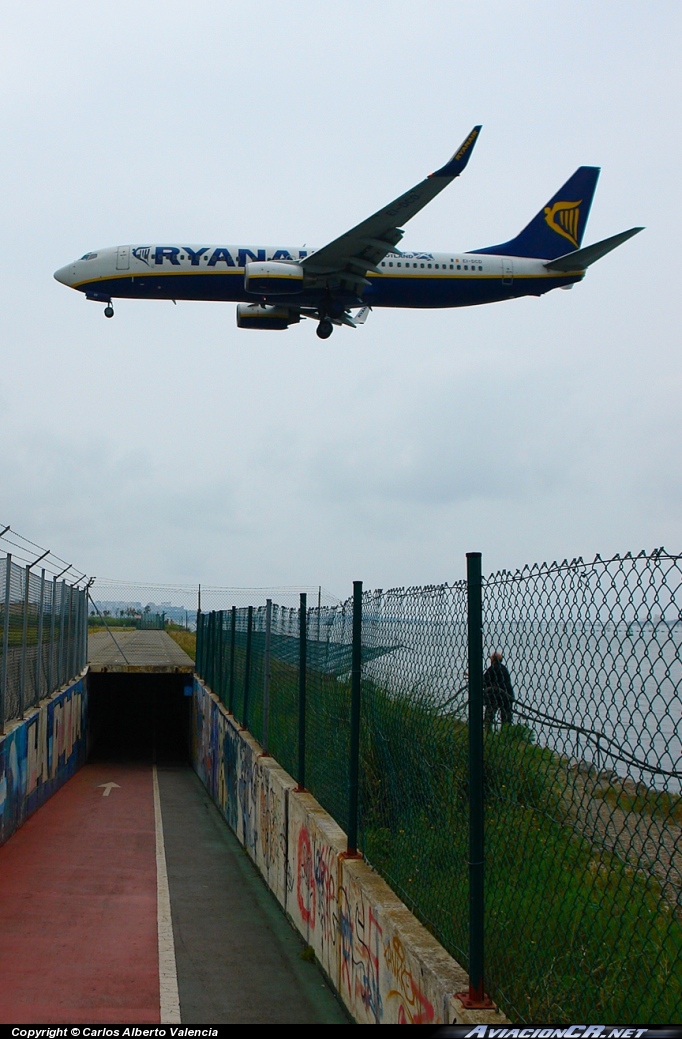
{"x": 108, "y": 787}
{"x": 168, "y": 975}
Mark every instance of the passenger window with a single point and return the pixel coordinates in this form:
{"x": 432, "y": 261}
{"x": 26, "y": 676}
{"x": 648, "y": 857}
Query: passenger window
{"x": 398, "y": 265}
{"x": 429, "y": 266}
{"x": 390, "y": 265}
{"x": 422, "y": 266}
{"x": 466, "y": 267}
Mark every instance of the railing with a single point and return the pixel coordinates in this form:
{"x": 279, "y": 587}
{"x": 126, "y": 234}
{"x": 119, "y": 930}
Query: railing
{"x": 570, "y": 781}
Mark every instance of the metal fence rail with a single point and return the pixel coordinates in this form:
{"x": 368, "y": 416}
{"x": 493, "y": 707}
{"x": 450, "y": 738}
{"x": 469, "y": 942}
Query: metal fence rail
{"x": 580, "y": 769}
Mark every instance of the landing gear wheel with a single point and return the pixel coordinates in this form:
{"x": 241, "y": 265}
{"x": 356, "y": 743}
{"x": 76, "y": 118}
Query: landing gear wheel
{"x": 109, "y": 311}
{"x": 325, "y": 328}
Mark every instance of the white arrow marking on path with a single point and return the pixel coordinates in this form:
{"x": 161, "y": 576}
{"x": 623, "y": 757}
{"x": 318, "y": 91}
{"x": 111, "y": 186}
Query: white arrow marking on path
{"x": 108, "y": 787}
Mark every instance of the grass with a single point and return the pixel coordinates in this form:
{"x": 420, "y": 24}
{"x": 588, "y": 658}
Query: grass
{"x": 16, "y": 631}
{"x": 568, "y": 928}
{"x": 186, "y": 640}
{"x": 572, "y": 933}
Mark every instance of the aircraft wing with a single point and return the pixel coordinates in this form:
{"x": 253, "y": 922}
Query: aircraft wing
{"x": 364, "y": 246}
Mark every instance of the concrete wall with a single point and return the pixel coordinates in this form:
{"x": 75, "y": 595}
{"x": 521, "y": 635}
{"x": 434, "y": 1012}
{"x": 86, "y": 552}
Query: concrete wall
{"x": 383, "y": 963}
{"x": 39, "y": 753}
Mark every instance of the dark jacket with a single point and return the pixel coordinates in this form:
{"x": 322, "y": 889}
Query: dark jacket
{"x": 497, "y": 683}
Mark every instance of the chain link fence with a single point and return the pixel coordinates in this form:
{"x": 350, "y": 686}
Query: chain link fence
{"x": 123, "y": 603}
{"x": 117, "y": 606}
{"x": 583, "y": 806}
{"x": 580, "y": 772}
{"x": 43, "y": 621}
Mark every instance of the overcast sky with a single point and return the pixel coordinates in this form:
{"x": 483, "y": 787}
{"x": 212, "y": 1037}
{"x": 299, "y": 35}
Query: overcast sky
{"x": 168, "y": 445}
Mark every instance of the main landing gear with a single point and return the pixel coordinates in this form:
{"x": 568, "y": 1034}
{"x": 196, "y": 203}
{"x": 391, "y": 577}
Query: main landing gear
{"x": 109, "y": 310}
{"x": 325, "y": 328}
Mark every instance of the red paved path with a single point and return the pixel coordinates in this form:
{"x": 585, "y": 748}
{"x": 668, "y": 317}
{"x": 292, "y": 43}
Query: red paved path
{"x": 78, "y": 905}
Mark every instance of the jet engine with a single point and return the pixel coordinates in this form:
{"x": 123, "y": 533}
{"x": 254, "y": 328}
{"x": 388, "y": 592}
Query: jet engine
{"x": 272, "y": 278}
{"x": 250, "y": 315}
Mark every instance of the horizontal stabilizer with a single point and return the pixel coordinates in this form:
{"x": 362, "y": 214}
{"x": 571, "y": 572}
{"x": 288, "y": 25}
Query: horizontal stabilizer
{"x": 579, "y": 259}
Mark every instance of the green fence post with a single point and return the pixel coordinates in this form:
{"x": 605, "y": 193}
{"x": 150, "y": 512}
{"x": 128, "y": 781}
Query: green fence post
{"x": 39, "y": 656}
{"x": 5, "y": 641}
{"x": 72, "y": 630}
{"x": 216, "y": 652}
{"x": 73, "y": 620}
{"x": 84, "y": 636}
{"x": 476, "y": 996}
{"x": 197, "y": 652}
{"x": 60, "y": 658}
{"x": 221, "y": 671}
{"x": 247, "y": 666}
{"x": 51, "y": 658}
{"x": 233, "y": 634}
{"x": 24, "y": 641}
{"x": 211, "y": 650}
{"x": 266, "y": 674}
{"x": 209, "y": 639}
{"x": 356, "y": 691}
{"x": 302, "y": 675}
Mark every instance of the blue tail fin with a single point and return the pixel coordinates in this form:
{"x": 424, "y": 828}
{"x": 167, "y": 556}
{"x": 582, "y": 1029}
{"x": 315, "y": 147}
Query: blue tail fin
{"x": 559, "y": 226}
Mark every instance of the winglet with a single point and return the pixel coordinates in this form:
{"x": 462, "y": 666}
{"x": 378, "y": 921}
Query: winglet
{"x": 456, "y": 164}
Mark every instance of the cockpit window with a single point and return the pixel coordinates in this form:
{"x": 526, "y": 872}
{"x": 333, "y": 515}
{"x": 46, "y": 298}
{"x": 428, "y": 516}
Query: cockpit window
{"x": 89, "y": 256}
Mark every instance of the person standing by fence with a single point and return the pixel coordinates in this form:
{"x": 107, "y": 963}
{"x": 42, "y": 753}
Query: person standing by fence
{"x": 498, "y": 693}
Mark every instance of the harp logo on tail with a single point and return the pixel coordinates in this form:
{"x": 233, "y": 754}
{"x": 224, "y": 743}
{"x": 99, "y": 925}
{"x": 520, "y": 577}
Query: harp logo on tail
{"x": 564, "y": 218}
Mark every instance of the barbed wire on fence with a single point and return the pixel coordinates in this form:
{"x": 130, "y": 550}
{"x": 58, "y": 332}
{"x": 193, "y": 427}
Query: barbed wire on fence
{"x": 25, "y": 551}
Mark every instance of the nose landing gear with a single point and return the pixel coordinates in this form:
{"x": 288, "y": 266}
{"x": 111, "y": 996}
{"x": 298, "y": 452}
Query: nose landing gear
{"x": 325, "y": 328}
{"x": 109, "y": 310}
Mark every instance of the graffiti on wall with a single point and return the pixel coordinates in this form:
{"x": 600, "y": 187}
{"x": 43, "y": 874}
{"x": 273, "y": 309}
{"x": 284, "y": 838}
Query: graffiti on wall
{"x": 247, "y": 794}
{"x": 413, "y": 1007}
{"x": 224, "y": 764}
{"x": 353, "y": 938}
{"x": 375, "y": 972}
{"x": 40, "y": 754}
{"x": 230, "y": 745}
{"x": 305, "y": 887}
{"x": 271, "y": 828}
{"x": 361, "y": 954}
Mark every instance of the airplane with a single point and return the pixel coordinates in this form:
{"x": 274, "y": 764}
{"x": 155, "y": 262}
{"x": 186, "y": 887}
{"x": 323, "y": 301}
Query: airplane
{"x": 363, "y": 269}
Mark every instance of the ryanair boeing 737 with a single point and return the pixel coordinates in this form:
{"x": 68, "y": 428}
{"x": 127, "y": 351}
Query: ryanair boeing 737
{"x": 340, "y": 283}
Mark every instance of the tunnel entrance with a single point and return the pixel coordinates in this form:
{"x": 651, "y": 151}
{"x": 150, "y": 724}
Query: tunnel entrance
{"x": 140, "y": 717}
